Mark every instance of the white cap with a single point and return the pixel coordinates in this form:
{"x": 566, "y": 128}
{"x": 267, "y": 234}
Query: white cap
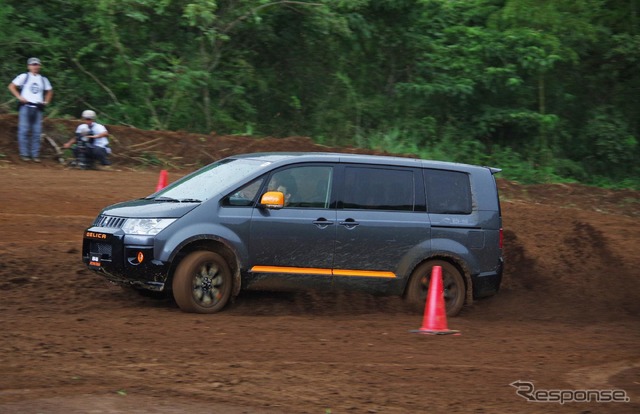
{"x": 88, "y": 114}
{"x": 34, "y": 61}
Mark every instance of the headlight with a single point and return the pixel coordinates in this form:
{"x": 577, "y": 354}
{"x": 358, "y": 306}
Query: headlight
{"x": 146, "y": 227}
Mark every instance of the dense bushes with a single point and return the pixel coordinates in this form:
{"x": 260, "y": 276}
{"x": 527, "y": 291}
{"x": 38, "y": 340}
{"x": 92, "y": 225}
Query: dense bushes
{"x": 546, "y": 90}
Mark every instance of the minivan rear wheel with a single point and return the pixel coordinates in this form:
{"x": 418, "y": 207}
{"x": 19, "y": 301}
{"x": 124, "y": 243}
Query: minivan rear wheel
{"x": 202, "y": 283}
{"x": 453, "y": 284}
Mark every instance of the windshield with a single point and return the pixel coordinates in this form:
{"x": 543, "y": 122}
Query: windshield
{"x": 205, "y": 183}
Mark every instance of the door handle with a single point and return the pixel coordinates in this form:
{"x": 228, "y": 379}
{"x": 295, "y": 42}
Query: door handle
{"x": 322, "y": 223}
{"x": 349, "y": 223}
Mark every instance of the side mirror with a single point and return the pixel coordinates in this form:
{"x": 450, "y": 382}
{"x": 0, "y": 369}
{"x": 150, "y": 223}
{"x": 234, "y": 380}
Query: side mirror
{"x": 272, "y": 199}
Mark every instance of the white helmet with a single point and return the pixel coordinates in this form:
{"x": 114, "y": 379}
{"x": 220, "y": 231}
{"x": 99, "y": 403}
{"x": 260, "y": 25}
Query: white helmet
{"x": 89, "y": 114}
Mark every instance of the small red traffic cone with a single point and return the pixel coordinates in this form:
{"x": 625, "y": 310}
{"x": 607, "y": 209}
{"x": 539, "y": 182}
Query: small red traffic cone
{"x": 162, "y": 180}
{"x": 435, "y": 316}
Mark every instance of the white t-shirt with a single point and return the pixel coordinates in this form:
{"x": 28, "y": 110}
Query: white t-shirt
{"x": 33, "y": 88}
{"x": 96, "y": 129}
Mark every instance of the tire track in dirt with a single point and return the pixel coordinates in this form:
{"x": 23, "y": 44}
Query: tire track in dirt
{"x": 603, "y": 377}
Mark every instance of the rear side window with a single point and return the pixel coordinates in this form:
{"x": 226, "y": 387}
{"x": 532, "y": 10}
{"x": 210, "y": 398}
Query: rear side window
{"x": 378, "y": 189}
{"x": 448, "y": 192}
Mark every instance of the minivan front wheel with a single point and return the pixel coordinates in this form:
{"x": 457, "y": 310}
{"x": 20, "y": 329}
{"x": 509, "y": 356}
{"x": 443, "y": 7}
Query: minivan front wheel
{"x": 452, "y": 281}
{"x": 202, "y": 282}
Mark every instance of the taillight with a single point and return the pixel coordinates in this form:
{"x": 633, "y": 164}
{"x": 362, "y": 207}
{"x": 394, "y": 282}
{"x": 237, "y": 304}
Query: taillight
{"x": 501, "y": 241}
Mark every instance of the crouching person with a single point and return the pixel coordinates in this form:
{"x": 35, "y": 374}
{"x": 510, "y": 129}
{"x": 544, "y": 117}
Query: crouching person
{"x": 90, "y": 143}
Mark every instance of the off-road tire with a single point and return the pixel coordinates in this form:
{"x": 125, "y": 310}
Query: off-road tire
{"x": 202, "y": 282}
{"x": 452, "y": 281}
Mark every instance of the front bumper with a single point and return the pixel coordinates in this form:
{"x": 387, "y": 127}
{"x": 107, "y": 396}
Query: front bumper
{"x": 122, "y": 261}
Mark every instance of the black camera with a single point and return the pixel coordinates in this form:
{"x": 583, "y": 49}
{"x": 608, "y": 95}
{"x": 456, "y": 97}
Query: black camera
{"x": 83, "y": 152}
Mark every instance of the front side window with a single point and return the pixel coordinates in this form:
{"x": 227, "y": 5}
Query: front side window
{"x": 371, "y": 188}
{"x": 303, "y": 186}
{"x": 245, "y": 196}
{"x": 448, "y": 192}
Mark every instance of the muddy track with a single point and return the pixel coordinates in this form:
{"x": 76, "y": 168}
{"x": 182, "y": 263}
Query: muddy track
{"x": 566, "y": 318}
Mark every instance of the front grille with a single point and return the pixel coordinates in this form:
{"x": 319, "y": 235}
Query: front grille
{"x": 109, "y": 221}
{"x": 103, "y": 249}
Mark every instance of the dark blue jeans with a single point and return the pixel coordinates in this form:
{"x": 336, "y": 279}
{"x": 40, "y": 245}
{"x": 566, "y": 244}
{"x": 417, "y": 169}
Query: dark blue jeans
{"x": 29, "y": 131}
{"x": 92, "y": 153}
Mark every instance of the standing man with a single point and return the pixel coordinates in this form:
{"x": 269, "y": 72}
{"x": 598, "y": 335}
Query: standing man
{"x": 34, "y": 91}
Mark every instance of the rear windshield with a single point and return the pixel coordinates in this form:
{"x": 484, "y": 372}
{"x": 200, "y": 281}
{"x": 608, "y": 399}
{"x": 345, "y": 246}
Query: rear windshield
{"x": 448, "y": 192}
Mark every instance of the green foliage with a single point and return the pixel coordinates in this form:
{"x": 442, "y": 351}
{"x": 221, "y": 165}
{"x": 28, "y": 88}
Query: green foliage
{"x": 615, "y": 149}
{"x": 151, "y": 159}
{"x": 547, "y": 90}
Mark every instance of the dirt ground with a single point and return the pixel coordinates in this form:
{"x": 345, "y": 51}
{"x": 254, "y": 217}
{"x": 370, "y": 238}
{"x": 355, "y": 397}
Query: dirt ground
{"x": 568, "y": 316}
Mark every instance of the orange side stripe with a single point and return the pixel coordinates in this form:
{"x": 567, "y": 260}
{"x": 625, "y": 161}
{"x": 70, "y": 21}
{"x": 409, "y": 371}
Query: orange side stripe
{"x": 363, "y": 273}
{"x": 324, "y": 272}
{"x": 293, "y": 270}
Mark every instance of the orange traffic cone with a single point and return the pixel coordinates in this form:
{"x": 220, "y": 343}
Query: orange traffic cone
{"x": 162, "y": 180}
{"x": 435, "y": 316}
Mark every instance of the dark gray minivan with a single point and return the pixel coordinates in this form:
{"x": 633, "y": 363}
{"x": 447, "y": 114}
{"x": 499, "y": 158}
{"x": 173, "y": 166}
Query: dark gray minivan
{"x": 276, "y": 221}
